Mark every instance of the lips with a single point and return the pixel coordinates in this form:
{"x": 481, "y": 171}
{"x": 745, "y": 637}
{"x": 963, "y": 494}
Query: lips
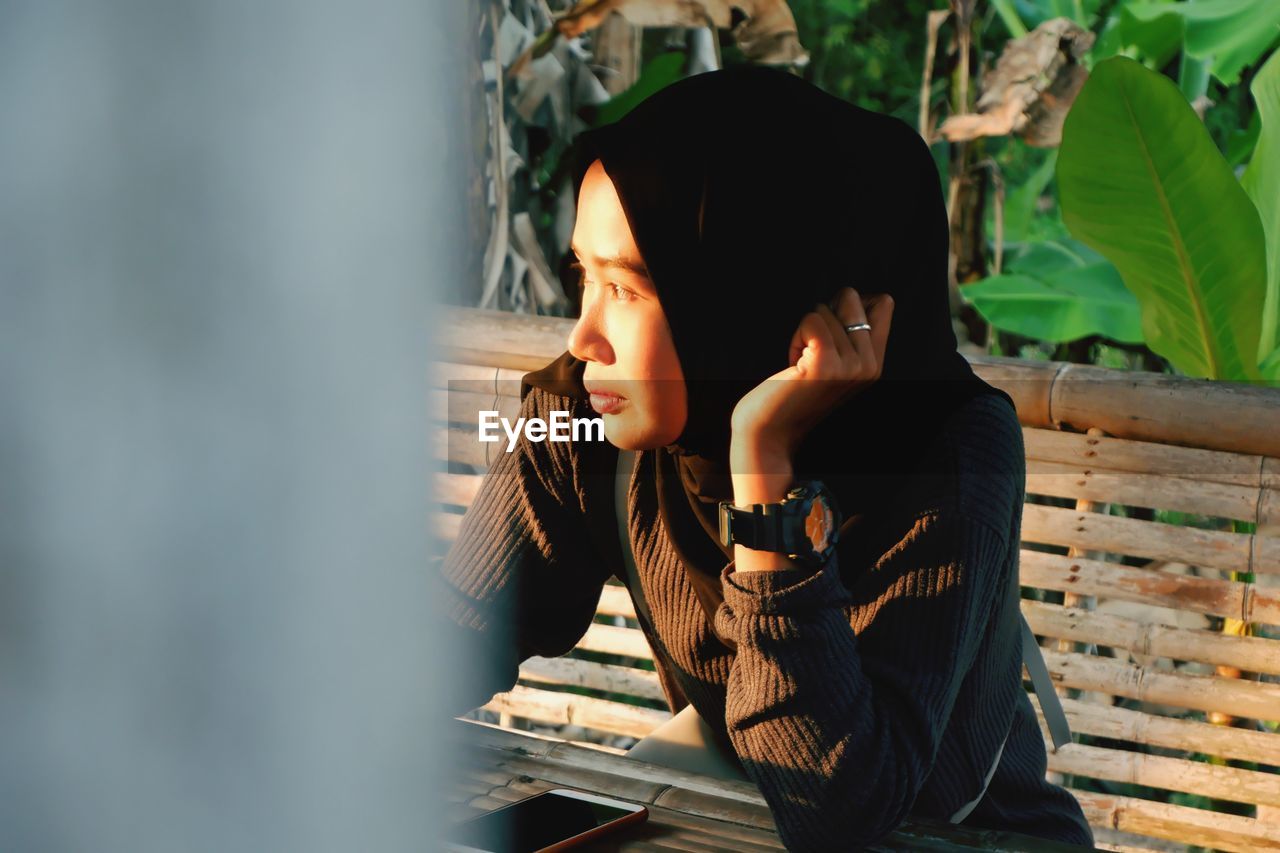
{"x": 603, "y": 400}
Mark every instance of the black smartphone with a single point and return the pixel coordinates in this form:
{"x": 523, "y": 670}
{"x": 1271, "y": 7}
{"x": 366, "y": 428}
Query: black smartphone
{"x": 553, "y": 820}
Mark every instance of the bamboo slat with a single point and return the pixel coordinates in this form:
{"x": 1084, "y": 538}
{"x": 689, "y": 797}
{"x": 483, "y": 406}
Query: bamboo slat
{"x": 1076, "y": 599}
{"x": 465, "y": 789}
{"x": 675, "y": 824}
{"x": 1252, "y": 699}
{"x": 1211, "y": 596}
{"x": 1106, "y": 838}
{"x": 445, "y": 526}
{"x": 1168, "y": 409}
{"x": 503, "y": 381}
{"x": 585, "y": 767}
{"x": 1253, "y": 654}
{"x": 613, "y": 640}
{"x": 1029, "y": 383}
{"x": 456, "y": 489}
{"x": 1178, "y": 823}
{"x": 612, "y": 678}
{"x": 1169, "y": 774}
{"x": 455, "y": 444}
{"x": 731, "y": 789}
{"x": 1171, "y": 733}
{"x": 571, "y": 709}
{"x": 1269, "y": 502}
{"x": 616, "y": 601}
{"x": 1081, "y": 482}
{"x": 478, "y": 736}
{"x": 716, "y": 807}
{"x": 484, "y": 803}
{"x": 573, "y": 776}
{"x": 590, "y": 756}
{"x": 731, "y": 835}
{"x": 1217, "y": 549}
{"x": 518, "y": 341}
{"x": 482, "y": 774}
{"x": 667, "y": 826}
{"x": 463, "y": 407}
{"x": 1147, "y": 457}
{"x": 516, "y": 790}
{"x": 458, "y": 811}
{"x": 441, "y": 373}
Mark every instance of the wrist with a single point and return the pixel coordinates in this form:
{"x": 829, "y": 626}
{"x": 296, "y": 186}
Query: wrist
{"x": 762, "y": 473}
{"x": 761, "y": 470}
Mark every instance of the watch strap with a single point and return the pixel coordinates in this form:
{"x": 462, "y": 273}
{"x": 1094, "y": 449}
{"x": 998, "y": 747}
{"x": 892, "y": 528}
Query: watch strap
{"x": 759, "y": 526}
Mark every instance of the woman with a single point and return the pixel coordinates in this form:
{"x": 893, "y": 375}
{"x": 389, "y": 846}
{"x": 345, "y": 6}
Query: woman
{"x": 723, "y": 226}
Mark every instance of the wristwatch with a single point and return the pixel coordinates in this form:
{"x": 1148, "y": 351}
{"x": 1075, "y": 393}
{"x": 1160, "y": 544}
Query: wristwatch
{"x": 805, "y": 525}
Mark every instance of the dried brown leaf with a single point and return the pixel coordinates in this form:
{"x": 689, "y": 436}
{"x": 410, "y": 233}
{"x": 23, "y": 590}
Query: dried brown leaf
{"x": 767, "y": 34}
{"x": 1031, "y": 88}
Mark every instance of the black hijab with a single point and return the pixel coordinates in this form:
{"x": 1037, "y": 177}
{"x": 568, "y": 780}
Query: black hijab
{"x": 753, "y": 195}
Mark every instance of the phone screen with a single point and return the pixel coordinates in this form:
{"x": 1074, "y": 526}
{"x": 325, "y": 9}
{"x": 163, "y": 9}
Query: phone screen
{"x": 533, "y": 824}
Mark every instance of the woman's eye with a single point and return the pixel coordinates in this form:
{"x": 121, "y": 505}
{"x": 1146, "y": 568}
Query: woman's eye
{"x": 617, "y": 292}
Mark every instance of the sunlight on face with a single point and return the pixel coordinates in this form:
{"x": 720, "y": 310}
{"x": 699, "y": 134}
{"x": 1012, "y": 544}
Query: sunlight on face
{"x": 632, "y": 372}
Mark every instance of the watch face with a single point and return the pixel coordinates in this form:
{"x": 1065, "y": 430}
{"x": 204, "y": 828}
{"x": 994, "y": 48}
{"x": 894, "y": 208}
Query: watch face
{"x": 819, "y": 524}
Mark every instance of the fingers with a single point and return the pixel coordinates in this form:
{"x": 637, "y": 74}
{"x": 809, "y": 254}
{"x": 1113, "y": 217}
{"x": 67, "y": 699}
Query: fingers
{"x": 881, "y": 318}
{"x": 813, "y": 334}
{"x": 843, "y": 346}
{"x": 849, "y": 311}
{"x": 822, "y": 332}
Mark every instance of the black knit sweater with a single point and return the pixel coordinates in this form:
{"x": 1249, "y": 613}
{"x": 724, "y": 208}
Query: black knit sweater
{"x": 858, "y": 694}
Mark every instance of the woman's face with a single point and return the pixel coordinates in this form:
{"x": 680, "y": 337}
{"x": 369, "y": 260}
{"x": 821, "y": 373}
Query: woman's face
{"x": 632, "y": 371}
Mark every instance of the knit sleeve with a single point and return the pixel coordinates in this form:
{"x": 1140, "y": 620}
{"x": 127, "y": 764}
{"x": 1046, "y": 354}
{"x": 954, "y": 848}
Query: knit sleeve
{"x": 522, "y": 578}
{"x": 840, "y": 728}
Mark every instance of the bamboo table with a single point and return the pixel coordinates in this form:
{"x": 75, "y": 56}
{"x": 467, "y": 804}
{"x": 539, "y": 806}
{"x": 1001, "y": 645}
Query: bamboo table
{"x": 687, "y": 811}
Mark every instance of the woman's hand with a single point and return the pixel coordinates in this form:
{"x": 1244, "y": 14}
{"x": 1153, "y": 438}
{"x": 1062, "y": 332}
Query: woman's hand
{"x": 827, "y": 366}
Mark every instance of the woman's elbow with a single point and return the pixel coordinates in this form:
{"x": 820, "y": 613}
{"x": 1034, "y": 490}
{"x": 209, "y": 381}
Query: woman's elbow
{"x": 853, "y": 809}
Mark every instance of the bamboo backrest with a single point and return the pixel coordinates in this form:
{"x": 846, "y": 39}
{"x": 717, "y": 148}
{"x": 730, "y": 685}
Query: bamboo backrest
{"x": 1173, "y": 704}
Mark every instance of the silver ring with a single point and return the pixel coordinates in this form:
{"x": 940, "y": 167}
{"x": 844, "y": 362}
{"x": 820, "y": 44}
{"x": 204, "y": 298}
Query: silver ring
{"x": 857, "y": 327}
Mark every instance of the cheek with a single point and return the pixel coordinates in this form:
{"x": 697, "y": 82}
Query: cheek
{"x": 645, "y": 350}
{"x": 650, "y": 358}
{"x": 668, "y": 388}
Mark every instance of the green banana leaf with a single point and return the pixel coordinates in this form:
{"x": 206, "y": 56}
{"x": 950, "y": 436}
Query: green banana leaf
{"x": 1036, "y": 12}
{"x": 1020, "y": 202}
{"x": 1008, "y": 14}
{"x": 1242, "y": 141}
{"x": 1141, "y": 181}
{"x": 1233, "y": 34}
{"x": 1058, "y": 292}
{"x": 1261, "y": 180}
{"x": 658, "y": 73}
{"x": 1047, "y": 258}
{"x": 1156, "y": 38}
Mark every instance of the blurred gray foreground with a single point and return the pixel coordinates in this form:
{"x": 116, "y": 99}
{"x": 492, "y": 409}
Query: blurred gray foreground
{"x": 220, "y": 226}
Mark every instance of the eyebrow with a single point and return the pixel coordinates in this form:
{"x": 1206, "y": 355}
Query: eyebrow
{"x": 622, "y": 262}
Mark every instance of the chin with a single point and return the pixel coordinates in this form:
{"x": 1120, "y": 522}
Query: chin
{"x": 626, "y": 437}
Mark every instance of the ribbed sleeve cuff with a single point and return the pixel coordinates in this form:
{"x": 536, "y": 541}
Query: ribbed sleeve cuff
{"x": 783, "y": 592}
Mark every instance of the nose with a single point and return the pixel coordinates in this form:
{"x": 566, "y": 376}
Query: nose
{"x": 586, "y": 340}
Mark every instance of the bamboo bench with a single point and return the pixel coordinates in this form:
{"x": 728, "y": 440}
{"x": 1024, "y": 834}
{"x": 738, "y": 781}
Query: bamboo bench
{"x": 1173, "y": 706}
